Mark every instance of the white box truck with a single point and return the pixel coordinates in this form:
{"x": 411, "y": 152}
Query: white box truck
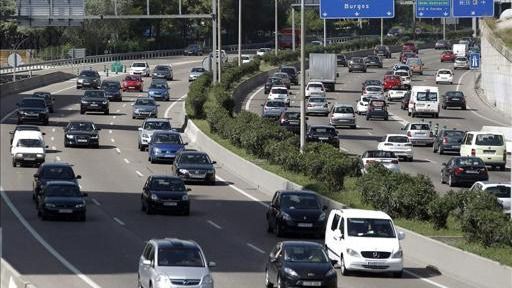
{"x": 322, "y": 68}
{"x": 460, "y": 49}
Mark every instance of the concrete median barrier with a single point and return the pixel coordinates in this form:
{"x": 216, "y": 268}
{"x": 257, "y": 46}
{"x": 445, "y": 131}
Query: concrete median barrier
{"x": 34, "y": 82}
{"x": 10, "y": 278}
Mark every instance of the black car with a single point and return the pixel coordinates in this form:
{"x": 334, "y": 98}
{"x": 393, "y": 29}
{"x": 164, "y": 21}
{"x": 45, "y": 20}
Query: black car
{"x": 166, "y": 194}
{"x": 323, "y": 133}
{"x": 290, "y": 120}
{"x": 292, "y": 73}
{"x": 373, "y": 60}
{"x": 52, "y": 171}
{"x": 88, "y": 78}
{"x": 272, "y": 81}
{"x": 453, "y": 99}
{"x": 162, "y": 72}
{"x": 194, "y": 166}
{"x": 382, "y": 50}
{"x": 61, "y": 198}
{"x": 47, "y": 96}
{"x": 94, "y": 100}
{"x": 341, "y": 60}
{"x": 377, "y": 109}
{"x": 299, "y": 264}
{"x": 193, "y": 49}
{"x": 24, "y": 128}
{"x": 371, "y": 83}
{"x": 356, "y": 64}
{"x": 296, "y": 211}
{"x": 464, "y": 170}
{"x": 442, "y": 44}
{"x": 448, "y": 141}
{"x": 32, "y": 109}
{"x": 404, "y": 104}
{"x": 81, "y": 133}
{"x": 112, "y": 90}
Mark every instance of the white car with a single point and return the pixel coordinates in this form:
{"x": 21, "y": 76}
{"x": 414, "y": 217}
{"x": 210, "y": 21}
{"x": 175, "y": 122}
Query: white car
{"x": 444, "y": 76}
{"x": 314, "y": 87}
{"x": 387, "y": 158}
{"x": 461, "y": 63}
{"x": 396, "y": 93}
{"x": 246, "y": 59}
{"x": 500, "y": 190}
{"x": 140, "y": 68}
{"x": 399, "y": 144}
{"x": 343, "y": 115}
{"x": 28, "y": 148}
{"x": 364, "y": 240}
{"x": 173, "y": 262}
{"x": 375, "y": 92}
{"x": 405, "y": 77}
{"x": 362, "y": 105}
{"x": 279, "y": 93}
{"x": 263, "y": 51}
{"x": 404, "y": 67}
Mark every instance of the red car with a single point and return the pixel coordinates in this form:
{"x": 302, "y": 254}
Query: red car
{"x": 132, "y": 83}
{"x": 391, "y": 81}
{"x": 409, "y": 46}
{"x": 447, "y": 56}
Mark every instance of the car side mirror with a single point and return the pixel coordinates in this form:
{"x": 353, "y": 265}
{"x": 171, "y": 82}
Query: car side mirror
{"x": 78, "y": 177}
{"x": 214, "y": 162}
{"x": 324, "y": 208}
{"x": 85, "y": 194}
{"x": 335, "y": 264}
{"x": 53, "y": 99}
{"x": 401, "y": 235}
{"x": 36, "y": 175}
{"x": 212, "y": 264}
{"x": 46, "y": 146}
{"x": 337, "y": 74}
{"x": 98, "y": 129}
{"x": 147, "y": 262}
{"x": 273, "y": 259}
{"x": 403, "y": 128}
{"x": 444, "y": 164}
{"x": 186, "y": 143}
{"x": 189, "y": 189}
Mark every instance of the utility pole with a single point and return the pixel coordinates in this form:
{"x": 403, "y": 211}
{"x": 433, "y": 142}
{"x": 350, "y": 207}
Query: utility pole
{"x": 444, "y": 28}
{"x": 302, "y": 79}
{"x": 293, "y": 28}
{"x": 213, "y": 57}
{"x": 325, "y": 32}
{"x": 239, "y": 32}
{"x": 147, "y": 7}
{"x": 473, "y": 25}
{"x": 219, "y": 61}
{"x": 275, "y": 26}
{"x": 381, "y": 31}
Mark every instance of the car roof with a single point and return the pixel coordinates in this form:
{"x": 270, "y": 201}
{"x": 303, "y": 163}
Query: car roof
{"x": 484, "y": 132}
{"x": 301, "y": 243}
{"x": 175, "y": 243}
{"x": 29, "y": 134}
{"x": 322, "y": 126}
{"x": 361, "y": 213}
{"x": 315, "y": 82}
{"x": 305, "y": 192}
{"x": 164, "y": 176}
{"x": 61, "y": 182}
{"x": 156, "y": 120}
{"x": 342, "y": 105}
{"x": 373, "y": 86}
{"x": 55, "y": 164}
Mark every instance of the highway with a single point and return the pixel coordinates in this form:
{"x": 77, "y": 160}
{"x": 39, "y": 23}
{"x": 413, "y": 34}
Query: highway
{"x": 227, "y": 220}
{"x": 369, "y": 133}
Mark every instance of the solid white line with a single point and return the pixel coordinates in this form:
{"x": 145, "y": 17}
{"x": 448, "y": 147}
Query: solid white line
{"x": 244, "y": 193}
{"x": 96, "y": 202}
{"x": 45, "y": 244}
{"x": 425, "y": 279}
{"x": 126, "y": 161}
{"x": 168, "y": 110}
{"x": 255, "y": 248}
{"x": 118, "y": 150}
{"x": 248, "y": 103}
{"x": 57, "y": 158}
{"x": 138, "y": 173}
{"x": 119, "y": 221}
{"x": 214, "y": 224}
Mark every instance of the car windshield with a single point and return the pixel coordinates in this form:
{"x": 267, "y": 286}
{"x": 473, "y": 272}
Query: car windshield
{"x": 111, "y": 85}
{"x": 167, "y": 184}
{"x": 357, "y": 60}
{"x": 145, "y": 102}
{"x": 169, "y": 138}
{"x": 94, "y": 94}
{"x": 158, "y": 86}
{"x": 36, "y": 103}
{"x": 344, "y": 110}
{"x": 275, "y": 104}
{"x": 420, "y": 127}
{"x": 82, "y": 126}
{"x": 500, "y": 191}
{"x": 57, "y": 173}
{"x": 139, "y": 65}
{"x": 132, "y": 78}
{"x": 373, "y": 58}
{"x": 455, "y": 94}
{"x": 413, "y": 61}
{"x": 366, "y": 227}
{"x": 157, "y": 125}
{"x": 198, "y": 69}
{"x": 323, "y": 130}
{"x": 463, "y": 59}
{"x": 288, "y": 70}
{"x": 298, "y": 201}
{"x": 315, "y": 85}
{"x": 195, "y": 158}
{"x": 401, "y": 73}
{"x": 41, "y": 95}
{"x": 365, "y": 99}
{"x": 398, "y": 139}
{"x": 88, "y": 73}
{"x": 162, "y": 68}
{"x": 316, "y": 100}
{"x": 489, "y": 140}
{"x": 469, "y": 161}
{"x": 374, "y": 89}
{"x": 279, "y": 91}
{"x": 180, "y": 257}
{"x": 281, "y": 75}
{"x": 380, "y": 154}
{"x": 293, "y": 115}
{"x": 444, "y": 72}
{"x": 304, "y": 254}
{"x": 29, "y": 143}
{"x": 62, "y": 191}
{"x": 454, "y": 134}
{"x": 377, "y": 103}
{"x": 373, "y": 82}
{"x": 426, "y": 96}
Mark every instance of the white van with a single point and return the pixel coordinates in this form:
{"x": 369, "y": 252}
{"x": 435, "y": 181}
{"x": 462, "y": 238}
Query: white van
{"x": 488, "y": 146}
{"x": 364, "y": 240}
{"x": 28, "y": 148}
{"x": 424, "y": 100}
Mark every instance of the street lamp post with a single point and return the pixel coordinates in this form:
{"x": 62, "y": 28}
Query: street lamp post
{"x": 239, "y": 32}
{"x": 293, "y": 28}
{"x": 14, "y": 50}
{"x": 302, "y": 79}
{"x": 275, "y": 27}
{"x": 219, "y": 29}
{"x": 213, "y": 57}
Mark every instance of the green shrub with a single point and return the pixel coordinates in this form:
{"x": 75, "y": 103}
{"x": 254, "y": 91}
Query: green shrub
{"x": 441, "y": 207}
{"x": 197, "y": 96}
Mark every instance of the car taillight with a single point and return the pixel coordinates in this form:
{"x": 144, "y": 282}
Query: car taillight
{"x": 445, "y": 140}
{"x": 458, "y": 171}
{"x": 409, "y": 134}
{"x": 483, "y": 171}
{"x": 473, "y": 152}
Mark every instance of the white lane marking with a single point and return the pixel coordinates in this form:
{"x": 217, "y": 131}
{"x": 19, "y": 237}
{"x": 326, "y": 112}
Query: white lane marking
{"x": 126, "y": 161}
{"x": 369, "y": 133}
{"x": 53, "y": 129}
{"x": 248, "y": 103}
{"x": 138, "y": 173}
{"x": 111, "y": 123}
{"x": 431, "y": 161}
{"x": 110, "y": 131}
{"x": 214, "y": 224}
{"x": 118, "y": 151}
{"x": 474, "y": 112}
{"x": 344, "y": 149}
{"x": 168, "y": 110}
{"x": 425, "y": 279}
{"x": 256, "y": 248}
{"x": 45, "y": 244}
{"x": 113, "y": 140}
{"x": 117, "y": 111}
{"x": 119, "y": 221}
{"x": 124, "y": 105}
{"x": 243, "y": 192}
{"x": 57, "y": 158}
{"x": 54, "y": 148}
{"x": 52, "y": 138}
{"x": 96, "y": 202}
{"x": 114, "y": 117}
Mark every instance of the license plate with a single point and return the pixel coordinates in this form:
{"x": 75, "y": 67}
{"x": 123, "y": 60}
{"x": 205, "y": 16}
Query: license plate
{"x": 82, "y": 140}
{"x": 455, "y": 99}
{"x": 323, "y": 138}
{"x": 131, "y": 87}
{"x": 67, "y": 211}
{"x": 199, "y": 176}
{"x": 489, "y": 151}
{"x": 170, "y": 204}
{"x": 94, "y": 105}
{"x": 312, "y": 283}
{"x": 376, "y": 263}
{"x": 305, "y": 225}
{"x": 29, "y": 158}
{"x": 471, "y": 172}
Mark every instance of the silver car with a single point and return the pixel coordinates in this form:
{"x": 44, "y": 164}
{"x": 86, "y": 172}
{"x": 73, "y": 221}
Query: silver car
{"x": 374, "y": 92}
{"x": 273, "y": 108}
{"x": 147, "y": 128}
{"x": 317, "y": 105}
{"x": 145, "y": 108}
{"x": 419, "y": 133}
{"x": 284, "y": 77}
{"x": 195, "y": 73}
{"x": 461, "y": 63}
{"x": 343, "y": 115}
{"x": 174, "y": 263}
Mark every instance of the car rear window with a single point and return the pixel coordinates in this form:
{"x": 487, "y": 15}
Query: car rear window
{"x": 29, "y": 143}
{"x": 489, "y": 140}
{"x": 293, "y": 115}
{"x": 380, "y": 154}
{"x": 316, "y": 100}
{"x": 420, "y": 127}
{"x": 455, "y": 94}
{"x": 315, "y": 85}
{"x": 198, "y": 69}
{"x": 145, "y": 102}
{"x": 473, "y": 161}
{"x": 275, "y": 104}
{"x": 57, "y": 173}
{"x": 454, "y": 134}
{"x": 398, "y": 139}
{"x": 444, "y": 72}
{"x": 500, "y": 191}
{"x": 374, "y": 89}
{"x": 139, "y": 65}
{"x": 426, "y": 96}
{"x": 324, "y": 130}
{"x": 279, "y": 91}
{"x": 88, "y": 73}
{"x": 344, "y": 110}
{"x": 167, "y": 184}
{"x": 288, "y": 70}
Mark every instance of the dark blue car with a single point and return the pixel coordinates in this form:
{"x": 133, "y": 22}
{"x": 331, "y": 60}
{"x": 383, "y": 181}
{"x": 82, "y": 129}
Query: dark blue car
{"x": 159, "y": 91}
{"x": 164, "y": 145}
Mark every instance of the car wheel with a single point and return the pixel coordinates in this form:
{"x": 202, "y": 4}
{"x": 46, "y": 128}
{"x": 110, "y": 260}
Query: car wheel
{"x": 278, "y": 231}
{"x": 411, "y": 159}
{"x": 437, "y": 82}
{"x": 139, "y": 285}
{"x": 44, "y": 216}
{"x": 149, "y": 210}
{"x": 353, "y": 126}
{"x": 434, "y": 150}
{"x": 66, "y": 144}
{"x": 269, "y": 227}
{"x": 107, "y": 112}
{"x": 140, "y": 147}
{"x": 82, "y": 112}
{"x": 463, "y": 107}
{"x": 344, "y": 270}
{"x": 408, "y": 113}
{"x": 142, "y": 206}
{"x": 14, "y": 164}
{"x": 386, "y": 118}
{"x": 279, "y": 283}
{"x": 186, "y": 212}
{"x": 46, "y": 122}
{"x": 268, "y": 284}
{"x": 441, "y": 151}
{"x": 82, "y": 217}
{"x": 437, "y": 115}
{"x": 450, "y": 181}
{"x": 502, "y": 167}
{"x": 398, "y": 274}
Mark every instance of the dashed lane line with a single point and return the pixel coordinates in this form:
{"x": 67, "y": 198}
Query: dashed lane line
{"x": 119, "y": 221}
{"x": 96, "y": 202}
{"x": 214, "y": 224}
{"x": 139, "y": 173}
{"x": 256, "y": 248}
{"x": 126, "y": 161}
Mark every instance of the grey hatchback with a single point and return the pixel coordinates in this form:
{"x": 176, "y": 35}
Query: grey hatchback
{"x": 145, "y": 108}
{"x": 273, "y": 109}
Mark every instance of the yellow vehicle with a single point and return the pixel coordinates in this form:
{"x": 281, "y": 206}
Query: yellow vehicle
{"x": 416, "y": 65}
{"x": 488, "y": 146}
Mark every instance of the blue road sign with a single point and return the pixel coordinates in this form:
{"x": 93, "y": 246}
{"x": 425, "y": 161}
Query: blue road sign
{"x": 433, "y": 8}
{"x": 336, "y": 9}
{"x": 474, "y": 61}
{"x": 473, "y": 8}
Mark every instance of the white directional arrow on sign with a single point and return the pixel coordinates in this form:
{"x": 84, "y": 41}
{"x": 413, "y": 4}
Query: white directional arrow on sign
{"x": 389, "y": 13}
{"x": 357, "y": 14}
{"x": 445, "y": 13}
{"x": 421, "y": 13}
{"x": 324, "y": 14}
{"x": 472, "y": 12}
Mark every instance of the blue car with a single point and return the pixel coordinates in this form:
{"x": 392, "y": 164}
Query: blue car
{"x": 164, "y": 145}
{"x": 159, "y": 91}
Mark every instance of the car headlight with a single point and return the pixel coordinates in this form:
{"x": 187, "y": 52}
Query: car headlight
{"x": 330, "y": 273}
{"x": 80, "y": 80}
{"x": 398, "y": 254}
{"x": 321, "y": 218}
{"x": 183, "y": 171}
{"x": 162, "y": 281}
{"x": 184, "y": 197}
{"x": 105, "y": 102}
{"x": 70, "y": 136}
{"x": 156, "y": 150}
{"x": 84, "y": 102}
{"x": 49, "y": 205}
{"x": 211, "y": 171}
{"x": 39, "y": 155}
{"x": 94, "y": 137}
{"x": 286, "y": 216}
{"x": 136, "y": 110}
{"x": 80, "y": 205}
{"x": 144, "y": 135}
{"x": 154, "y": 197}
{"x": 352, "y": 252}
{"x": 290, "y": 272}
{"x": 207, "y": 281}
